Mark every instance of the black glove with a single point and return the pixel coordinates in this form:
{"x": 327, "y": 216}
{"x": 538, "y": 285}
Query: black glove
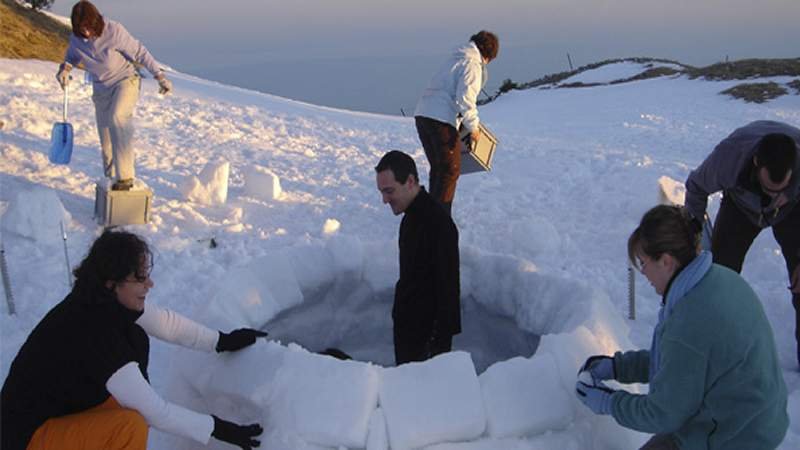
{"x": 241, "y": 435}
{"x": 238, "y": 339}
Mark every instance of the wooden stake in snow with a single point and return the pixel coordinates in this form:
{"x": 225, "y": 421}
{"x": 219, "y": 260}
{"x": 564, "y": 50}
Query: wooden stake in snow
{"x": 6, "y": 279}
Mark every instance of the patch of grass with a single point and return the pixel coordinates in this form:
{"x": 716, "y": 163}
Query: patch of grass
{"x": 756, "y": 92}
{"x": 29, "y": 34}
{"x": 747, "y": 68}
{"x": 795, "y": 84}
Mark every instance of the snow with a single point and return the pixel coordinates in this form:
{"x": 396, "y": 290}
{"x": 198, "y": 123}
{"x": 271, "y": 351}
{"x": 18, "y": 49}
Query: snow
{"x": 615, "y": 71}
{"x": 544, "y": 265}
{"x": 36, "y": 213}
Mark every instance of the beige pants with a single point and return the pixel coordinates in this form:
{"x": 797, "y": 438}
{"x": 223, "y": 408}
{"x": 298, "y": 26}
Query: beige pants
{"x": 113, "y": 107}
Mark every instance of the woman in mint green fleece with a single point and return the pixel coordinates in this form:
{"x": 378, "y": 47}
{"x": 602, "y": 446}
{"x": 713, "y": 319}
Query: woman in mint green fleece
{"x": 712, "y": 369}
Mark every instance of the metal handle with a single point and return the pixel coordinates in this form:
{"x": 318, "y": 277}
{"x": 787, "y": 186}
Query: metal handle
{"x": 6, "y": 280}
{"x": 66, "y": 98}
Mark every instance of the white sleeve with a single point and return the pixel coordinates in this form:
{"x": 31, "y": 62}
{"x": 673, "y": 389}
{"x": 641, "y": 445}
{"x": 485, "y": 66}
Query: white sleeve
{"x": 131, "y": 390}
{"x": 468, "y": 87}
{"x": 172, "y": 327}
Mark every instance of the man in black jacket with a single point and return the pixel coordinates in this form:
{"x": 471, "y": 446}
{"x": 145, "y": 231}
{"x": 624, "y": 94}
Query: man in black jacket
{"x": 427, "y": 309}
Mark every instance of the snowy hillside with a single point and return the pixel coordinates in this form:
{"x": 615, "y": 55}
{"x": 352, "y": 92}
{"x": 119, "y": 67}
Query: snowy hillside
{"x": 543, "y": 235}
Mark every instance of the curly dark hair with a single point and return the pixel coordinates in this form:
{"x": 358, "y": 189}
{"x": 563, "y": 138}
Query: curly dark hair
{"x": 86, "y": 15}
{"x": 113, "y": 257}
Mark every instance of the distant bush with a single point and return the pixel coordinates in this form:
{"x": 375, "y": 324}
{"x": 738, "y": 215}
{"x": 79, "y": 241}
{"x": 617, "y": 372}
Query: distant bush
{"x": 748, "y": 68}
{"x": 40, "y": 4}
{"x": 756, "y": 92}
{"x": 507, "y": 86}
{"x": 795, "y": 84}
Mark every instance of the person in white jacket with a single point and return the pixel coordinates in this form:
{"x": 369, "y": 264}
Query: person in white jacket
{"x": 449, "y": 103}
{"x": 80, "y": 380}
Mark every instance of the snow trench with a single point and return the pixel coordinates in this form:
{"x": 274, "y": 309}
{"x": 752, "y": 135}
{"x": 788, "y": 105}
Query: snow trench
{"x": 511, "y": 374}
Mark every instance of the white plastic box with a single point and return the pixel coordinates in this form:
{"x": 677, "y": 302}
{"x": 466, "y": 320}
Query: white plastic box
{"x": 478, "y": 157}
{"x": 122, "y": 207}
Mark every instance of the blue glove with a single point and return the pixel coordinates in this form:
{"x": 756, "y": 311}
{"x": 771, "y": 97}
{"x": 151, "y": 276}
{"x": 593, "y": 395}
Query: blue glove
{"x": 601, "y": 367}
{"x": 597, "y": 398}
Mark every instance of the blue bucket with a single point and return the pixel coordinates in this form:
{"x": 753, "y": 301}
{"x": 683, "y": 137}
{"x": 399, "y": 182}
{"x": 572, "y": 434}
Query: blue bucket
{"x": 61, "y": 143}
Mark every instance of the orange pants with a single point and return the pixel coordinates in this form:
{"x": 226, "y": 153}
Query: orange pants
{"x": 107, "y": 426}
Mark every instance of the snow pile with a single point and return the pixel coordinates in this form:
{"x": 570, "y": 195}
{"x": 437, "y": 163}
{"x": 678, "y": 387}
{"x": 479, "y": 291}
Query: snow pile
{"x": 36, "y": 214}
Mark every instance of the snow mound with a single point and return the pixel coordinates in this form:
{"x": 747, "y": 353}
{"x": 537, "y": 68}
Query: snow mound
{"x": 617, "y": 71}
{"x": 36, "y": 214}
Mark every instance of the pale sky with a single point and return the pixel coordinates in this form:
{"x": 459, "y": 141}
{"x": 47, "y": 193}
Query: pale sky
{"x": 209, "y": 38}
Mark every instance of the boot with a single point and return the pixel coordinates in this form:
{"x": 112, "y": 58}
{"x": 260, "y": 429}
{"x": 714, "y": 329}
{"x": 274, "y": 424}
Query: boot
{"x": 122, "y": 185}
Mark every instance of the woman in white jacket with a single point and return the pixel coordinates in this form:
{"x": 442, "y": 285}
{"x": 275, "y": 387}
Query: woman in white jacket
{"x": 80, "y": 380}
{"x": 448, "y": 103}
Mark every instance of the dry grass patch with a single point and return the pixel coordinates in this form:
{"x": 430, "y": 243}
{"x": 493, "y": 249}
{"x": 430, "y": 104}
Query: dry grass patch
{"x": 756, "y": 92}
{"x": 748, "y": 68}
{"x": 29, "y": 34}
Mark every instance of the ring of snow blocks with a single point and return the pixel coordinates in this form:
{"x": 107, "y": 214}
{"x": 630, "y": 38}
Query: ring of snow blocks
{"x": 438, "y": 400}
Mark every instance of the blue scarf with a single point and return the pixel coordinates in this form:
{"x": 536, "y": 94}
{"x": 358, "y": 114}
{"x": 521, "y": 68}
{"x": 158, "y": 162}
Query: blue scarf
{"x": 683, "y": 283}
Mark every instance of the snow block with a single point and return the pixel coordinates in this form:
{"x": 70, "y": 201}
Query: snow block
{"x": 261, "y": 183}
{"x": 210, "y": 187}
{"x": 438, "y": 400}
{"x": 253, "y": 295}
{"x": 377, "y": 438}
{"x": 237, "y": 380}
{"x": 525, "y": 397}
{"x": 324, "y": 400}
{"x": 215, "y": 176}
{"x": 36, "y": 214}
